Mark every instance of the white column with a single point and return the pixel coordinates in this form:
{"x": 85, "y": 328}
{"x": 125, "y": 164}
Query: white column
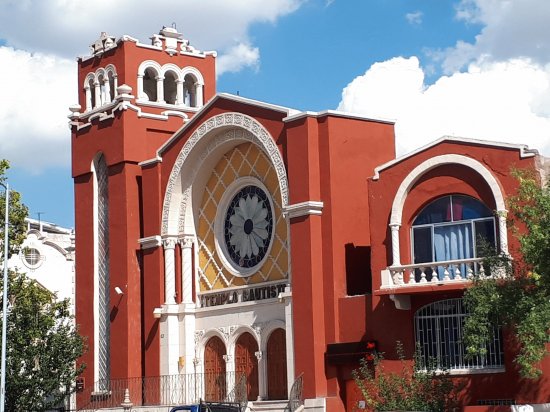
{"x": 88, "y": 97}
{"x": 289, "y": 333}
{"x": 395, "y": 244}
{"x": 169, "y": 270}
{"x": 97, "y": 91}
{"x": 107, "y": 90}
{"x": 186, "y": 244}
{"x": 160, "y": 89}
{"x": 179, "y": 91}
{"x": 199, "y": 94}
{"x": 140, "y": 92}
{"x": 503, "y": 231}
{"x": 188, "y": 306}
{"x": 115, "y": 85}
{"x": 262, "y": 375}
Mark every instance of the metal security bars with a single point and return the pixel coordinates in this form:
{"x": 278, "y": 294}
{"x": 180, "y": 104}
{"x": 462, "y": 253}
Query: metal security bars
{"x": 103, "y": 320}
{"x": 166, "y": 390}
{"x": 296, "y": 398}
{"x": 439, "y": 335}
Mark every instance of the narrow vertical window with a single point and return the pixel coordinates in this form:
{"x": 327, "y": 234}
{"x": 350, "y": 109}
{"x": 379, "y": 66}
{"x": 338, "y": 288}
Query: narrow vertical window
{"x": 102, "y": 321}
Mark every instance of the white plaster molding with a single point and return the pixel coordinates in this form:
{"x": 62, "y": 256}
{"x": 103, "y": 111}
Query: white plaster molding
{"x": 426, "y": 166}
{"x": 242, "y": 128}
{"x": 524, "y": 151}
{"x": 335, "y": 113}
{"x": 150, "y": 161}
{"x": 212, "y": 102}
{"x": 150, "y": 242}
{"x": 310, "y": 207}
{"x": 409, "y": 181}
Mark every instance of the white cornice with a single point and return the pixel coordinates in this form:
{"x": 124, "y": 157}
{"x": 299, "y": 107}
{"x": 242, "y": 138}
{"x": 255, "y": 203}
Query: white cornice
{"x": 335, "y": 113}
{"x": 150, "y": 161}
{"x": 311, "y": 207}
{"x": 524, "y": 150}
{"x": 150, "y": 242}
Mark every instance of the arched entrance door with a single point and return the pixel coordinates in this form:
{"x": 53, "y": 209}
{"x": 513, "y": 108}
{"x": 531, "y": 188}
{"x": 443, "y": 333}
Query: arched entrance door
{"x": 276, "y": 365}
{"x": 246, "y": 363}
{"x": 214, "y": 370}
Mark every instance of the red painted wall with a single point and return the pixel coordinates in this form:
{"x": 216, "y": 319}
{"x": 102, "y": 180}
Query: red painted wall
{"x": 125, "y": 140}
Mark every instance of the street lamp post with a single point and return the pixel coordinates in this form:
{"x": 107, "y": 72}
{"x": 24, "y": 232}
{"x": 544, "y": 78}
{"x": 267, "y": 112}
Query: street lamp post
{"x": 5, "y": 301}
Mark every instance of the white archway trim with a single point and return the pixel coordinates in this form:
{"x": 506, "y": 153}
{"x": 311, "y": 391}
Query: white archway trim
{"x": 171, "y": 67}
{"x": 243, "y": 128}
{"x": 149, "y": 64}
{"x": 237, "y": 331}
{"x": 194, "y": 72}
{"x": 426, "y": 166}
{"x": 268, "y": 329}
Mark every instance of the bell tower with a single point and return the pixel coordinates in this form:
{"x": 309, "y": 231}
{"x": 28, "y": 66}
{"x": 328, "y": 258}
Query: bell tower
{"x": 132, "y": 97}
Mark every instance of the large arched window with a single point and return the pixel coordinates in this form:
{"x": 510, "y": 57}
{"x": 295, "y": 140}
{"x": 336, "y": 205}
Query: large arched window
{"x": 452, "y": 228}
{"x": 439, "y": 338}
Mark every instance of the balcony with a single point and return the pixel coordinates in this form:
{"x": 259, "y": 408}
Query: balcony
{"x": 421, "y": 275}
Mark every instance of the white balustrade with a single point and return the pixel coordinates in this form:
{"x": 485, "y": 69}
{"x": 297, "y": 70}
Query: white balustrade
{"x": 444, "y": 272}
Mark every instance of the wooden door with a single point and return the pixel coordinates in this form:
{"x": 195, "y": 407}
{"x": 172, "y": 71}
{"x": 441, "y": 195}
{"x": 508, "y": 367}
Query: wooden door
{"x": 276, "y": 365}
{"x": 214, "y": 370}
{"x": 246, "y": 363}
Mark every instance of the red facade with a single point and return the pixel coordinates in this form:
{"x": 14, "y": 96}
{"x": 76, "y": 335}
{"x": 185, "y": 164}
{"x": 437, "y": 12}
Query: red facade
{"x": 335, "y": 189}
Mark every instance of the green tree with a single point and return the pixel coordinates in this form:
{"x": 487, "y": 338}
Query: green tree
{"x": 42, "y": 341}
{"x": 519, "y": 297}
{"x": 17, "y": 214}
{"x": 42, "y": 347}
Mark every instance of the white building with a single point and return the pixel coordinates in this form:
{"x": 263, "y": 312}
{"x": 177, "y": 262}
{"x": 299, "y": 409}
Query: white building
{"x": 47, "y": 256}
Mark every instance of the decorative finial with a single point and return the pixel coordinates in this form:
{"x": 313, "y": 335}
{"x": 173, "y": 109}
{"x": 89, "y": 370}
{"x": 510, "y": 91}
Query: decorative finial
{"x": 126, "y": 404}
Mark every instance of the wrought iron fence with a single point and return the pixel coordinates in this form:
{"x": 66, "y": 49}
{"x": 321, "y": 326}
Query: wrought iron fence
{"x": 168, "y": 390}
{"x": 295, "y": 399}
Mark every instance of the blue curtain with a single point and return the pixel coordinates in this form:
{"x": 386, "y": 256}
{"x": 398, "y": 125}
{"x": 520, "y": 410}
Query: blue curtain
{"x": 453, "y": 242}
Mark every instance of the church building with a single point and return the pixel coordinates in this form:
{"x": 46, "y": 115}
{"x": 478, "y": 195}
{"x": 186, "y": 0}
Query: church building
{"x": 220, "y": 237}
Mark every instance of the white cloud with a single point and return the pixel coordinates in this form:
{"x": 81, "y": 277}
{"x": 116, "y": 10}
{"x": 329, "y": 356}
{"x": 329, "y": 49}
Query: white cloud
{"x": 38, "y": 71}
{"x": 238, "y": 57}
{"x": 414, "y": 18}
{"x": 36, "y": 91}
{"x": 511, "y": 29}
{"x": 502, "y": 101}
{"x": 66, "y": 27}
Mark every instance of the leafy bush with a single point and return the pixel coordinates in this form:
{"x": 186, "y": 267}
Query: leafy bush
{"x": 410, "y": 389}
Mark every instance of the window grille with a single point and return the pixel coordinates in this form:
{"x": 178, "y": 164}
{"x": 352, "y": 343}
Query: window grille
{"x": 103, "y": 270}
{"x": 439, "y": 336}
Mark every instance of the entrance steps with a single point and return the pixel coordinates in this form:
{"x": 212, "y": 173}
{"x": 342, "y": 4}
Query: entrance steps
{"x": 267, "y": 406}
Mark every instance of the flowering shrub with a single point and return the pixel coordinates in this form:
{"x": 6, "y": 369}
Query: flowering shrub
{"x": 410, "y": 389}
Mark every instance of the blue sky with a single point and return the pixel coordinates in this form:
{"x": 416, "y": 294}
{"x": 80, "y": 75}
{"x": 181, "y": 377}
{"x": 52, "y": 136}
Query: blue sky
{"x": 472, "y": 68}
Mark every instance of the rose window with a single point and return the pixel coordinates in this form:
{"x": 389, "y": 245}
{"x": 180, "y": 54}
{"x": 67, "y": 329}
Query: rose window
{"x": 248, "y": 226}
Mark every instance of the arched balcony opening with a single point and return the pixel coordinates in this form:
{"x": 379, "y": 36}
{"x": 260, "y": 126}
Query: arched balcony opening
{"x": 190, "y": 91}
{"x": 112, "y": 85}
{"x": 170, "y": 87}
{"x": 90, "y": 94}
{"x": 150, "y": 85}
{"x": 104, "y": 92}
